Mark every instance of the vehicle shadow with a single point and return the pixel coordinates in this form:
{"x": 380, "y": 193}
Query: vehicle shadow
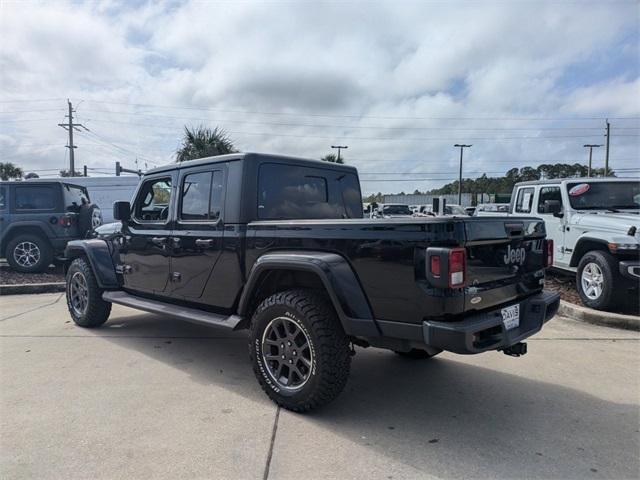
{"x": 442, "y": 416}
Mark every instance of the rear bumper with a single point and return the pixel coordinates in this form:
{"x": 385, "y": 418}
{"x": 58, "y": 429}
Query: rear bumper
{"x": 630, "y": 269}
{"x": 486, "y": 331}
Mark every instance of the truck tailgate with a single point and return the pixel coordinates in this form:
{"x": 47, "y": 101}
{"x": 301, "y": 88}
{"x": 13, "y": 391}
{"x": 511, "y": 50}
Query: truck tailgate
{"x": 505, "y": 260}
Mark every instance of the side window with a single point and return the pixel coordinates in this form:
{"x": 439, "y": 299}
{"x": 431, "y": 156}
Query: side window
{"x": 152, "y": 203}
{"x": 524, "y": 200}
{"x": 196, "y": 192}
{"x": 202, "y": 196}
{"x": 351, "y": 196}
{"x": 548, "y": 194}
{"x": 3, "y": 198}
{"x": 289, "y": 192}
{"x": 36, "y": 197}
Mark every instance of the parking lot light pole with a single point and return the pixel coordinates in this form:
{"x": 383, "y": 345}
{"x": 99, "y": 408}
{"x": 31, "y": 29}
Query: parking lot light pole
{"x": 462, "y": 147}
{"x": 591, "y": 147}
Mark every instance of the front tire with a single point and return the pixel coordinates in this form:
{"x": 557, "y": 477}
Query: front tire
{"x": 298, "y": 349}
{"x": 596, "y": 280}
{"x": 84, "y": 296}
{"x": 29, "y": 253}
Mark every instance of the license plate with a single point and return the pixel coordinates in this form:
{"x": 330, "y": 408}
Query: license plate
{"x": 511, "y": 317}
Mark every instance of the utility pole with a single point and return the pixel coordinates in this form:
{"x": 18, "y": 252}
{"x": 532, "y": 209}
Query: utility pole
{"x": 606, "y": 154}
{"x": 339, "y": 147}
{"x": 591, "y": 147}
{"x": 462, "y": 147}
{"x": 69, "y": 127}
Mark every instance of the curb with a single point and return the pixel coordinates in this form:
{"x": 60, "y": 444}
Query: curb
{"x": 28, "y": 288}
{"x": 596, "y": 317}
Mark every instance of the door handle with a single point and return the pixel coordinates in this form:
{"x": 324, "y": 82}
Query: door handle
{"x": 160, "y": 241}
{"x": 204, "y": 242}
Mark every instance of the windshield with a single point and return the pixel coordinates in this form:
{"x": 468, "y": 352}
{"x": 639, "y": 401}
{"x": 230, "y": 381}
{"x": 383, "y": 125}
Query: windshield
{"x": 75, "y": 196}
{"x": 604, "y": 195}
{"x": 396, "y": 210}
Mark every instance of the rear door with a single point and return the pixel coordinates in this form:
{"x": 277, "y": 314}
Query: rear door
{"x": 196, "y": 240}
{"x": 4, "y": 207}
{"x": 505, "y": 260}
{"x": 555, "y": 226}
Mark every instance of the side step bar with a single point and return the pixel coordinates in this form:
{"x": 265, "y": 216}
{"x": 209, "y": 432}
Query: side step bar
{"x": 183, "y": 313}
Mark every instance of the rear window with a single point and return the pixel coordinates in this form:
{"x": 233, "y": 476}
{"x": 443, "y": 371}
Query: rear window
{"x": 291, "y": 192}
{"x": 524, "y": 200}
{"x": 35, "y": 197}
{"x": 3, "y": 196}
{"x": 75, "y": 196}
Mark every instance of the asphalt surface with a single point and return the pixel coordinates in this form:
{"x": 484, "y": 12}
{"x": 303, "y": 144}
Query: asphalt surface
{"x": 150, "y": 397}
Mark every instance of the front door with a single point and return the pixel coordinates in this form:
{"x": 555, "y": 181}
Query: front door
{"x": 198, "y": 232}
{"x": 146, "y": 249}
{"x": 554, "y": 225}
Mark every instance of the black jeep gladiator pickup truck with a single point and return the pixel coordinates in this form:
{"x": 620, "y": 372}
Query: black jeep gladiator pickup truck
{"x": 278, "y": 245}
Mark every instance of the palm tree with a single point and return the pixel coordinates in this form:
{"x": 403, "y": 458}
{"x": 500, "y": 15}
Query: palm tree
{"x": 331, "y": 157}
{"x": 9, "y": 171}
{"x": 200, "y": 142}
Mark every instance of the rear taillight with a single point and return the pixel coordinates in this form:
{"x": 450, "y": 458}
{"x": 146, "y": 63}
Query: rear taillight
{"x": 456, "y": 267}
{"x": 66, "y": 220}
{"x": 549, "y": 253}
{"x": 435, "y": 266}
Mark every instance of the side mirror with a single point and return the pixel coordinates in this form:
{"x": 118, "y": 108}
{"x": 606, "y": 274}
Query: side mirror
{"x": 554, "y": 207}
{"x": 122, "y": 211}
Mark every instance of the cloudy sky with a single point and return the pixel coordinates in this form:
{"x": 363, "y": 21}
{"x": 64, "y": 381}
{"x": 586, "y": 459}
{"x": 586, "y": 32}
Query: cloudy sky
{"x": 399, "y": 82}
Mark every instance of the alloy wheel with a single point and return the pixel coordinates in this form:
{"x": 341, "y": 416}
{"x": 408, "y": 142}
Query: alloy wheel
{"x": 287, "y": 353}
{"x": 26, "y": 254}
{"x": 79, "y": 293}
{"x": 592, "y": 281}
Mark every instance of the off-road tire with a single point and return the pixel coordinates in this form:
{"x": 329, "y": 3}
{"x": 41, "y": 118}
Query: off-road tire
{"x": 416, "y": 354}
{"x": 45, "y": 253}
{"x": 610, "y": 280}
{"x": 97, "y": 310}
{"x": 314, "y": 315}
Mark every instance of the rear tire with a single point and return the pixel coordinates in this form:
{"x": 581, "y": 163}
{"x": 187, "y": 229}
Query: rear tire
{"x": 298, "y": 349}
{"x": 597, "y": 279}
{"x": 416, "y": 354}
{"x": 84, "y": 296}
{"x": 29, "y": 253}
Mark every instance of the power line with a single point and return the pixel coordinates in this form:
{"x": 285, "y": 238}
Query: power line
{"x": 376, "y": 127}
{"x": 256, "y": 112}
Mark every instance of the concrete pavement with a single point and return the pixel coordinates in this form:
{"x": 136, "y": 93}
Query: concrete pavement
{"x": 150, "y": 397}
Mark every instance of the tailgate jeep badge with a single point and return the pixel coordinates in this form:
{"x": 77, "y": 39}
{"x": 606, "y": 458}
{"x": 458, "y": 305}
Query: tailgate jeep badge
{"x": 516, "y": 255}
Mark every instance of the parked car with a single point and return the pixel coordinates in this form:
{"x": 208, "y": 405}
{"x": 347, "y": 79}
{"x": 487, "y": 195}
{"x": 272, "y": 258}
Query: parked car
{"x": 105, "y": 191}
{"x": 594, "y": 224}
{"x": 278, "y": 245}
{"x": 491, "y": 209}
{"x": 394, "y": 210}
{"x": 38, "y": 218}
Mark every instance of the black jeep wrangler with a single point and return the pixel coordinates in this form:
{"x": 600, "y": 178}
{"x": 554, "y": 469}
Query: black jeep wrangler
{"x": 278, "y": 245}
{"x": 39, "y": 217}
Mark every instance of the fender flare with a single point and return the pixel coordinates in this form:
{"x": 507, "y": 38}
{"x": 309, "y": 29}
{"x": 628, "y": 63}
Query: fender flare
{"x": 13, "y": 226}
{"x": 97, "y": 252}
{"x": 575, "y": 256}
{"x": 337, "y": 276}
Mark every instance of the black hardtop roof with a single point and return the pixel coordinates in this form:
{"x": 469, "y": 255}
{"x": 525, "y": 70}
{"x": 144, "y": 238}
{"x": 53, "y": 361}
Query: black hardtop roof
{"x": 253, "y": 157}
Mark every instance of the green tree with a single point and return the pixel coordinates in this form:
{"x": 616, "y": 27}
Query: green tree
{"x": 67, "y": 173}
{"x": 201, "y": 142}
{"x": 31, "y": 175}
{"x": 9, "y": 171}
{"x": 331, "y": 157}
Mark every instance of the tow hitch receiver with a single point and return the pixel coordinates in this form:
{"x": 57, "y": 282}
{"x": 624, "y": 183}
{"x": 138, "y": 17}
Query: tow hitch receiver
{"x": 516, "y": 350}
